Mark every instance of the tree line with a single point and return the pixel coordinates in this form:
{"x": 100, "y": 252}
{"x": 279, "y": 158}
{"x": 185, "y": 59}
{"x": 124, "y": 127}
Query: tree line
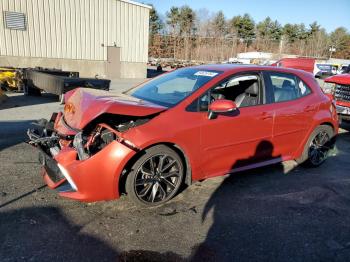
{"x": 200, "y": 35}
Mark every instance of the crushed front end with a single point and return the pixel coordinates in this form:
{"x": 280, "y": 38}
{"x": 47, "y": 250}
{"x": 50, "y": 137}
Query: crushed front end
{"x": 81, "y": 164}
{"x": 342, "y": 96}
{"x": 339, "y": 87}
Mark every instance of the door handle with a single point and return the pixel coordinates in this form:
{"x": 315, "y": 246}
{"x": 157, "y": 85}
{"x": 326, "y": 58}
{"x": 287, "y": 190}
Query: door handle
{"x": 309, "y": 109}
{"x": 265, "y": 116}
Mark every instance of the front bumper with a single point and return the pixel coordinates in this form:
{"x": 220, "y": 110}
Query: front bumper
{"x": 51, "y": 169}
{"x": 343, "y": 110}
{"x": 96, "y": 178}
{"x": 93, "y": 179}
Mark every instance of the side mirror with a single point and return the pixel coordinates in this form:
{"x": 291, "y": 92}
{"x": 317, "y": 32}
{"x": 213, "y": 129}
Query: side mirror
{"x": 221, "y": 106}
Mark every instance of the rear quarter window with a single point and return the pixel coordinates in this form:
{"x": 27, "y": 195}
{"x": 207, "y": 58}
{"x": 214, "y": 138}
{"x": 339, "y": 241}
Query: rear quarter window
{"x": 285, "y": 87}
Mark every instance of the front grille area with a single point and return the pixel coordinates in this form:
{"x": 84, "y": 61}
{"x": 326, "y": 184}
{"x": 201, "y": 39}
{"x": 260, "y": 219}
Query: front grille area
{"x": 342, "y": 93}
{"x": 51, "y": 167}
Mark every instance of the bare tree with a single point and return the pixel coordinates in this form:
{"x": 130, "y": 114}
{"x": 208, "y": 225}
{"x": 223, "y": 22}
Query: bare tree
{"x": 206, "y": 36}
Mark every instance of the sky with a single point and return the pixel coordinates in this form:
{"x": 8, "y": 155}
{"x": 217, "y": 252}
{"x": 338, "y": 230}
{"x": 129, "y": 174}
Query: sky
{"x": 330, "y": 14}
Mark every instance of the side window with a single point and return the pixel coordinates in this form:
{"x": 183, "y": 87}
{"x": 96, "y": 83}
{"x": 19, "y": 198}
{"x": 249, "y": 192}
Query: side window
{"x": 303, "y": 89}
{"x": 244, "y": 90}
{"x": 200, "y": 104}
{"x": 286, "y": 87}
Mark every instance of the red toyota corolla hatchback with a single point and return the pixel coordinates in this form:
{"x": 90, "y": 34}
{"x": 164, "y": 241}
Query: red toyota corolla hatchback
{"x": 190, "y": 124}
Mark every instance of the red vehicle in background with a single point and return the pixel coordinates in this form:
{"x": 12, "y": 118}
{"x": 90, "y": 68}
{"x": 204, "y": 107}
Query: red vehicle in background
{"x": 187, "y": 125}
{"x": 339, "y": 87}
{"x": 306, "y": 64}
{"x": 318, "y": 69}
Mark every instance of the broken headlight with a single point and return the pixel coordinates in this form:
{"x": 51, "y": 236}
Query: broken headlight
{"x": 328, "y": 88}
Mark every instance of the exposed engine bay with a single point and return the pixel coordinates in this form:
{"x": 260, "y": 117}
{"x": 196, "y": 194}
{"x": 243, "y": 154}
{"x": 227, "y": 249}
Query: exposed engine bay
{"x": 120, "y": 123}
{"x": 87, "y": 142}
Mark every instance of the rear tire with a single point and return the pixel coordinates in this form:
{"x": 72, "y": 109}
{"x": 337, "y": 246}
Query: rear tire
{"x": 317, "y": 147}
{"x": 155, "y": 177}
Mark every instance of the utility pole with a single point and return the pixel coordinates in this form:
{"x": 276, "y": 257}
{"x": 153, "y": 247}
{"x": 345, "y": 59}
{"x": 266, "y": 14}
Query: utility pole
{"x": 281, "y": 47}
{"x": 331, "y": 50}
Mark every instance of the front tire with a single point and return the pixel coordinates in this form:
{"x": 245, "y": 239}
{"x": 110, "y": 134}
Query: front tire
{"x": 4, "y": 86}
{"x": 316, "y": 150}
{"x": 155, "y": 177}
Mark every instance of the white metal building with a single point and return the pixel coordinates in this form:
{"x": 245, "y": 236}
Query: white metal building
{"x": 95, "y": 37}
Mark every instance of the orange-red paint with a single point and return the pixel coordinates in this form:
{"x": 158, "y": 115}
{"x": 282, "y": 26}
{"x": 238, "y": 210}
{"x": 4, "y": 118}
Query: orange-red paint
{"x": 212, "y": 147}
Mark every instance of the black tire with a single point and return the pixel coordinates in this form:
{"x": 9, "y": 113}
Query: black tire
{"x": 30, "y": 91}
{"x": 5, "y": 86}
{"x": 25, "y": 90}
{"x": 20, "y": 87}
{"x": 153, "y": 186}
{"x": 317, "y": 147}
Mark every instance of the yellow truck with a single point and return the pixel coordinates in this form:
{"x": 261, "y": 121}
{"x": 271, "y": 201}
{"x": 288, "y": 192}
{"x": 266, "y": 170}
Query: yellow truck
{"x": 10, "y": 79}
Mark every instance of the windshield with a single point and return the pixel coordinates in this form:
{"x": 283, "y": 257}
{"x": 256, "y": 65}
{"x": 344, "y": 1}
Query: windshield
{"x": 169, "y": 89}
{"x": 324, "y": 67}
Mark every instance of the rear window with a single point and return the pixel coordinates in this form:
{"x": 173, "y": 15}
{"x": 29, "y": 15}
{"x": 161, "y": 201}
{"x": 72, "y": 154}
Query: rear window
{"x": 324, "y": 67}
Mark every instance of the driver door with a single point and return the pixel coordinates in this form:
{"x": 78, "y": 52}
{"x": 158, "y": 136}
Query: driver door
{"x": 234, "y": 141}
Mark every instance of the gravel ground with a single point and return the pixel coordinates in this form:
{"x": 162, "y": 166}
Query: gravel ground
{"x": 278, "y": 213}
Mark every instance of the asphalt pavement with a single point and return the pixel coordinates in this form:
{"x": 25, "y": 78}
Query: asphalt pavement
{"x": 278, "y": 213}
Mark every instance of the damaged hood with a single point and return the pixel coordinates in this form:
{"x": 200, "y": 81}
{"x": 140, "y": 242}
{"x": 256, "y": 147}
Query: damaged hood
{"x": 82, "y": 105}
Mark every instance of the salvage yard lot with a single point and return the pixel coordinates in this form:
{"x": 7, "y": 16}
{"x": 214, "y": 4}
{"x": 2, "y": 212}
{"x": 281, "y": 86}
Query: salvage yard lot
{"x": 278, "y": 213}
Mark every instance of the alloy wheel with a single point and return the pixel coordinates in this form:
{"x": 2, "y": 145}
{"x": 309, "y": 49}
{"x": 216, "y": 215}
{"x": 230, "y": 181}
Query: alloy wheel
{"x": 319, "y": 148}
{"x": 157, "y": 179}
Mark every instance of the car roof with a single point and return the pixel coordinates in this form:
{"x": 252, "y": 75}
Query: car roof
{"x": 242, "y": 67}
